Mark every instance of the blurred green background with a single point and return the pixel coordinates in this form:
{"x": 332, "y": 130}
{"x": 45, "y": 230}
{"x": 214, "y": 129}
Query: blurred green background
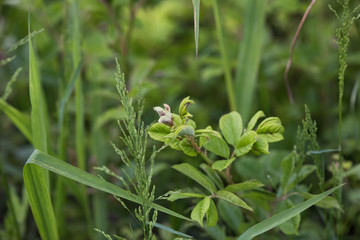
{"x": 154, "y": 42}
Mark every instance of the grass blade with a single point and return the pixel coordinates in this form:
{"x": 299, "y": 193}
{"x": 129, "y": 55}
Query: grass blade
{"x": 170, "y": 230}
{"x": 65, "y": 98}
{"x": 20, "y": 120}
{"x": 283, "y": 216}
{"x": 249, "y": 57}
{"x": 196, "y": 6}
{"x": 60, "y": 167}
{"x": 36, "y": 179}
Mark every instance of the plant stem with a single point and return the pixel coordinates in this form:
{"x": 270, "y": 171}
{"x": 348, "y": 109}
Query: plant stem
{"x": 224, "y": 58}
{"x": 207, "y": 160}
{"x": 229, "y": 178}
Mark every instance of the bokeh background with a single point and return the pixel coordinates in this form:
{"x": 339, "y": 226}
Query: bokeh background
{"x": 154, "y": 42}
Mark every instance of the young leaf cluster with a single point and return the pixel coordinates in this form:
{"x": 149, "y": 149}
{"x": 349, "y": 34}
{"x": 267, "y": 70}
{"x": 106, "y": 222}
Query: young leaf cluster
{"x": 179, "y": 132}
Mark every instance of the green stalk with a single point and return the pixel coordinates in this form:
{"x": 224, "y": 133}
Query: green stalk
{"x": 249, "y": 56}
{"x": 100, "y": 205}
{"x": 224, "y": 58}
{"x": 79, "y": 103}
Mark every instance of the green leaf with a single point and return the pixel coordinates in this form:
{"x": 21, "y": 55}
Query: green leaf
{"x": 217, "y": 146}
{"x": 173, "y": 142}
{"x": 199, "y": 211}
{"x": 177, "y": 119}
{"x": 247, "y": 185}
{"x": 261, "y": 146}
{"x": 196, "y": 7}
{"x": 232, "y": 215}
{"x": 211, "y": 215}
{"x": 246, "y": 143}
{"x": 191, "y": 123}
{"x": 185, "y": 130}
{"x": 195, "y": 175}
{"x": 291, "y": 226}
{"x": 232, "y": 198}
{"x": 305, "y": 171}
{"x": 36, "y": 183}
{"x": 222, "y": 164}
{"x": 283, "y": 216}
{"x": 20, "y": 120}
{"x": 271, "y": 129}
{"x": 207, "y": 132}
{"x": 158, "y": 131}
{"x": 231, "y": 127}
{"x": 327, "y": 203}
{"x": 287, "y": 166}
{"x": 181, "y": 195}
{"x": 213, "y": 142}
{"x": 58, "y": 166}
{"x": 187, "y": 148}
{"x": 355, "y": 170}
{"x": 254, "y": 120}
{"x": 213, "y": 175}
{"x": 110, "y": 114}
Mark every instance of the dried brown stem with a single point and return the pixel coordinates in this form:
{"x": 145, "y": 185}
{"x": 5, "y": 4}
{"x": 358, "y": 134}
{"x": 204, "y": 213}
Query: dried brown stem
{"x": 293, "y": 43}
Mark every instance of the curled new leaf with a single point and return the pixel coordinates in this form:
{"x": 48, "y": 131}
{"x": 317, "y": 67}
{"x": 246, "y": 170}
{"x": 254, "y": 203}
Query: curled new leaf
{"x": 185, "y": 103}
{"x": 271, "y": 129}
{"x": 254, "y": 120}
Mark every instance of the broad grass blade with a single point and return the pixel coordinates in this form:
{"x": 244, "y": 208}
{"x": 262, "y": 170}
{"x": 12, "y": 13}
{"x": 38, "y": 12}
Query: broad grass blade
{"x": 36, "y": 179}
{"x": 249, "y": 57}
{"x": 283, "y": 216}
{"x": 58, "y": 166}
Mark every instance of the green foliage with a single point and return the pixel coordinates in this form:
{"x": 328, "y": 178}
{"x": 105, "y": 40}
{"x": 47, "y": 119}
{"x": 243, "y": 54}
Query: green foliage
{"x": 239, "y": 67}
{"x": 169, "y": 129}
{"x": 283, "y": 216}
